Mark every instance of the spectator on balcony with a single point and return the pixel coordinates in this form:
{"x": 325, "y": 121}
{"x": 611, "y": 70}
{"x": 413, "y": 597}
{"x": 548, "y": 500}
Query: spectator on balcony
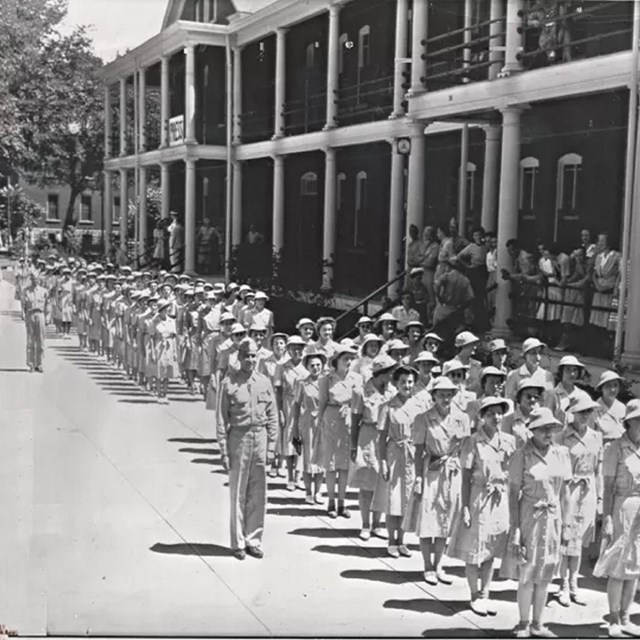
{"x": 176, "y": 243}
{"x": 159, "y": 238}
{"x": 429, "y": 264}
{"x": 586, "y": 244}
{"x": 254, "y": 236}
{"x": 474, "y": 258}
{"x": 415, "y": 248}
{"x": 206, "y": 245}
{"x": 446, "y": 251}
{"x": 606, "y": 280}
{"x": 459, "y": 243}
{"x": 574, "y": 297}
{"x": 416, "y": 286}
{"x": 549, "y": 17}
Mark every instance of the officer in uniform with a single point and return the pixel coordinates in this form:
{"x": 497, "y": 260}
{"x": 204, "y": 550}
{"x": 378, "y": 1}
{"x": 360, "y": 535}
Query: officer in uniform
{"x": 247, "y": 433}
{"x": 36, "y": 303}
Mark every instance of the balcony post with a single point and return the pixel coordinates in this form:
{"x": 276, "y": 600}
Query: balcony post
{"x": 237, "y": 95}
{"x": 123, "y": 116}
{"x": 190, "y": 216}
{"x": 514, "y": 38}
{"x": 507, "y": 212}
{"x": 165, "y": 108}
{"x": 278, "y": 203}
{"x": 107, "y": 121}
{"x": 402, "y": 35}
{"x": 490, "y": 177}
{"x": 463, "y": 187}
{"x": 329, "y": 228}
{"x": 333, "y": 57}
{"x": 496, "y": 42}
{"x": 415, "y": 187}
{"x": 142, "y": 110}
{"x": 236, "y": 224}
{"x": 143, "y": 230}
{"x": 190, "y": 94}
{"x": 396, "y": 210}
{"x": 124, "y": 209}
{"x": 418, "y": 47}
{"x": 108, "y": 211}
{"x": 280, "y": 83}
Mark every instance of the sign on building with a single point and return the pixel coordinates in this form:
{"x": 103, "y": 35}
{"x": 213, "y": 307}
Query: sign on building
{"x": 176, "y": 130}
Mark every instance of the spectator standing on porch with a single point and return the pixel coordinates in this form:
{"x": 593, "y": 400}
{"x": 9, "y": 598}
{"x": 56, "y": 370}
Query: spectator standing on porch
{"x": 415, "y": 248}
{"x": 176, "y": 243}
{"x": 606, "y": 278}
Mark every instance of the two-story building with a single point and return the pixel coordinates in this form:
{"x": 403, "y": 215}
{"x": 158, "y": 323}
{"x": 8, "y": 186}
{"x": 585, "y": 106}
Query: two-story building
{"x": 331, "y": 126}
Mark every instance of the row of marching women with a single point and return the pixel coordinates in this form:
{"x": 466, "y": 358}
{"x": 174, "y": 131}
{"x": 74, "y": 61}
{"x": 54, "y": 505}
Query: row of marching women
{"x": 516, "y": 470}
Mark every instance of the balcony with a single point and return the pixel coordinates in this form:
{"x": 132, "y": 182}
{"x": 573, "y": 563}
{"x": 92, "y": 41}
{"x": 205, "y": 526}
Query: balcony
{"x": 365, "y": 101}
{"x": 256, "y": 125}
{"x": 305, "y": 115}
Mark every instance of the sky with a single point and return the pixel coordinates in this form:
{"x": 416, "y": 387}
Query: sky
{"x": 116, "y": 25}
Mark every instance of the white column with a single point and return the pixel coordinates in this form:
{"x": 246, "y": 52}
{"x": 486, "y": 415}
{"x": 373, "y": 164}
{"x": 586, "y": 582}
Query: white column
{"x": 333, "y": 57}
{"x": 396, "y": 209}
{"x": 165, "y": 108}
{"x": 490, "y": 177}
{"x": 190, "y": 94}
{"x": 236, "y": 222}
{"x": 165, "y": 194}
{"x": 237, "y": 95}
{"x": 278, "y": 203}
{"x": 142, "y": 110}
{"x": 507, "y": 211}
{"x": 418, "y": 35}
{"x": 415, "y": 186}
{"x": 142, "y": 237}
{"x": 463, "y": 187}
{"x": 329, "y": 227}
{"x": 190, "y": 216}
{"x": 107, "y": 121}
{"x": 108, "y": 210}
{"x": 124, "y": 208}
{"x": 280, "y": 83}
{"x": 514, "y": 39}
{"x": 123, "y": 116}
{"x": 496, "y": 43}
{"x": 402, "y": 35}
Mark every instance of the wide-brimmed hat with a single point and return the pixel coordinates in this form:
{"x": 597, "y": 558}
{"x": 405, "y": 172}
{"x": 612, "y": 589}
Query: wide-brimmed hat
{"x": 342, "y": 350}
{"x": 432, "y": 336}
{"x": 404, "y": 369}
{"x": 570, "y": 361}
{"x": 497, "y": 345}
{"x": 387, "y": 317}
{"x": 279, "y": 334}
{"x": 313, "y": 354}
{"x": 608, "y": 376}
{"x": 543, "y": 417}
{"x": 382, "y": 363}
{"x": 371, "y": 337}
{"x": 442, "y": 383}
{"x": 414, "y": 323}
{"x": 465, "y": 339}
{"x": 396, "y": 345}
{"x": 258, "y": 326}
{"x": 244, "y": 288}
{"x": 632, "y": 410}
{"x": 261, "y": 295}
{"x": 453, "y": 365}
{"x": 227, "y": 317}
{"x": 584, "y": 403}
{"x": 532, "y": 343}
{"x": 492, "y": 371}
{"x": 293, "y": 341}
{"x": 426, "y": 356}
{"x": 325, "y": 320}
{"x": 304, "y": 322}
{"x": 494, "y": 401}
{"x": 364, "y": 320}
{"x": 237, "y": 329}
{"x": 529, "y": 383}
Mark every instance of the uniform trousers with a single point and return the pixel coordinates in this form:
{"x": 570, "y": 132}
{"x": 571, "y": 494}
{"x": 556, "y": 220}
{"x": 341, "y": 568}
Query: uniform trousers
{"x": 35, "y": 338}
{"x": 247, "y": 448}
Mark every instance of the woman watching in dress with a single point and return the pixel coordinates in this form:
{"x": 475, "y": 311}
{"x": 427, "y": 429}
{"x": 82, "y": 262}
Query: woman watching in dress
{"x": 610, "y": 411}
{"x": 480, "y": 533}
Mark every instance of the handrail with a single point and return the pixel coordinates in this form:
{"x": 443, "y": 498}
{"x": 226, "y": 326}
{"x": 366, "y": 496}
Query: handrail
{"x": 371, "y": 296}
{"x": 462, "y": 30}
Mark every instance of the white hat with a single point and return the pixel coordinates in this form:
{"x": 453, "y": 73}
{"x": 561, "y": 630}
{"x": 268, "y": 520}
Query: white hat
{"x": 532, "y": 343}
{"x": 442, "y": 383}
{"x": 584, "y": 403}
{"x": 426, "y": 356}
{"x": 543, "y": 417}
{"x": 387, "y": 317}
{"x": 305, "y": 321}
{"x": 464, "y": 339}
{"x": 608, "y": 376}
{"x": 453, "y": 365}
{"x": 261, "y": 295}
{"x": 432, "y": 336}
{"x": 364, "y": 320}
{"x": 632, "y": 411}
{"x": 493, "y": 401}
{"x": 570, "y": 361}
{"x": 497, "y": 345}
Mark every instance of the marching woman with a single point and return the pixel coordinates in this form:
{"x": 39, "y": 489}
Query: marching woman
{"x": 305, "y": 418}
{"x": 532, "y": 350}
{"x": 584, "y": 491}
{"x": 325, "y": 328}
{"x": 498, "y": 354}
{"x": 150, "y": 362}
{"x": 369, "y": 350}
{"x": 397, "y": 456}
{"x": 457, "y": 373}
{"x": 387, "y": 326}
{"x": 480, "y": 532}
{"x": 432, "y": 342}
{"x": 528, "y": 398}
{"x": 306, "y": 328}
{"x": 492, "y": 385}
{"x": 610, "y": 411}
{"x": 397, "y": 349}
{"x": 414, "y": 331}
{"x": 165, "y": 347}
{"x": 425, "y": 363}
{"x": 278, "y": 356}
{"x": 334, "y": 422}
{"x": 620, "y": 560}
{"x": 438, "y": 436}
{"x": 66, "y": 290}
{"x": 365, "y": 469}
{"x": 566, "y": 393}
{"x": 365, "y": 327}
{"x": 466, "y": 345}
{"x": 285, "y": 383}
{"x": 538, "y": 476}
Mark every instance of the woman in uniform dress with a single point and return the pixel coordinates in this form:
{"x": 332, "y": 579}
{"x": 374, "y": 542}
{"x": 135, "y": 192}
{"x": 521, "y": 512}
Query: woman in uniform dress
{"x": 165, "y": 348}
{"x": 574, "y": 289}
{"x": 432, "y": 342}
{"x": 425, "y": 364}
{"x": 364, "y": 327}
{"x": 325, "y": 328}
{"x": 619, "y": 559}
{"x": 262, "y": 315}
{"x": 80, "y": 305}
{"x": 334, "y": 422}
{"x": 610, "y": 411}
{"x": 278, "y": 356}
{"x": 538, "y": 476}
{"x": 457, "y": 372}
{"x": 584, "y": 490}
{"x": 532, "y": 350}
{"x": 365, "y": 468}
{"x": 492, "y": 382}
{"x": 528, "y": 398}
{"x": 438, "y": 436}
{"x": 480, "y": 532}
{"x": 150, "y": 362}
{"x": 306, "y": 328}
{"x": 566, "y": 393}
{"x": 65, "y": 291}
{"x": 285, "y": 383}
{"x": 498, "y": 354}
{"x": 368, "y": 351}
{"x": 305, "y": 416}
{"x": 397, "y": 456}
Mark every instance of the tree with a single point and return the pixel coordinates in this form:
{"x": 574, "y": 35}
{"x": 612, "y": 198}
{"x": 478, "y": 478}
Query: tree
{"x": 61, "y": 116}
{"x": 18, "y": 209}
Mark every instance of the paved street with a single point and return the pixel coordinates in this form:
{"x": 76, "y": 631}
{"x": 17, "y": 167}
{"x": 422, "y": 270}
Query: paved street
{"x": 114, "y": 521}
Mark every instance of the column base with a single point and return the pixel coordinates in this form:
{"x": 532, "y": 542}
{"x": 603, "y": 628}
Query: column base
{"x": 631, "y": 359}
{"x": 396, "y": 115}
{"x": 416, "y": 91}
{"x": 501, "y": 332}
{"x": 508, "y": 71}
{"x": 190, "y": 141}
{"x": 329, "y": 127}
{"x": 277, "y": 136}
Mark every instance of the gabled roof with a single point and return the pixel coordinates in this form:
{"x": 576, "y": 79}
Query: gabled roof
{"x": 173, "y": 12}
{"x": 175, "y": 9}
{"x": 251, "y": 6}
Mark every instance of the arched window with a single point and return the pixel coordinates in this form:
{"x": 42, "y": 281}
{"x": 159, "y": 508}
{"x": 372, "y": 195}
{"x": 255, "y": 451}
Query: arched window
{"x": 364, "y": 50}
{"x": 361, "y": 207}
{"x": 199, "y": 11}
{"x": 471, "y": 187}
{"x": 310, "y": 56}
{"x": 568, "y": 186}
{"x": 309, "y": 184}
{"x": 213, "y": 11}
{"x": 340, "y": 190}
{"x": 529, "y": 168}
{"x": 344, "y": 38}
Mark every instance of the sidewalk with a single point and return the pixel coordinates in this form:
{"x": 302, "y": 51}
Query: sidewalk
{"x": 115, "y": 522}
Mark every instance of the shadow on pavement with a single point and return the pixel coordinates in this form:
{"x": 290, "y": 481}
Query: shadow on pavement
{"x": 352, "y": 550}
{"x": 215, "y": 461}
{"x": 463, "y": 632}
{"x": 386, "y": 576}
{"x": 22, "y": 370}
{"x": 321, "y": 532}
{"x": 287, "y": 501}
{"x": 445, "y": 608}
{"x": 292, "y": 511}
{"x": 192, "y": 549}
{"x": 203, "y": 452}
{"x": 192, "y": 441}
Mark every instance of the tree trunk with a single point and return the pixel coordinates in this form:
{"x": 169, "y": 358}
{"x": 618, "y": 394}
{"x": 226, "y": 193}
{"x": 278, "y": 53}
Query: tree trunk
{"x": 69, "y": 218}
